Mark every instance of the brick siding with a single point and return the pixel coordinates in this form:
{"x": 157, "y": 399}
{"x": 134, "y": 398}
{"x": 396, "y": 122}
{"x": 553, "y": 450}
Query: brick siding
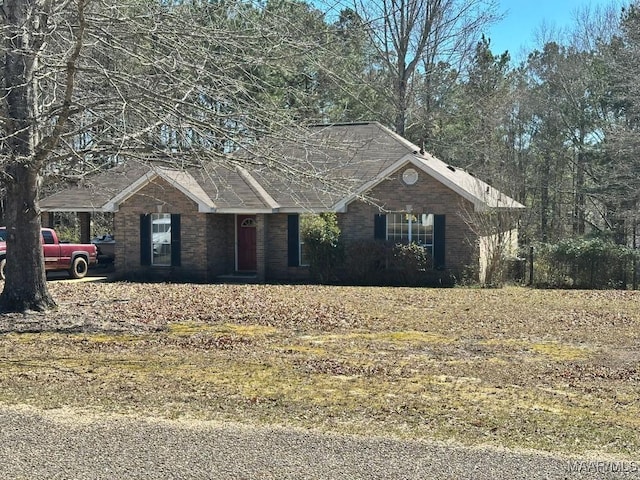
{"x": 160, "y": 197}
{"x": 208, "y": 240}
{"x": 220, "y": 245}
{"x": 427, "y": 195}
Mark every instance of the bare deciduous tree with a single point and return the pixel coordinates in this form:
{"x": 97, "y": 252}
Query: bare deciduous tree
{"x": 88, "y": 83}
{"x": 496, "y": 234}
{"x": 416, "y": 35}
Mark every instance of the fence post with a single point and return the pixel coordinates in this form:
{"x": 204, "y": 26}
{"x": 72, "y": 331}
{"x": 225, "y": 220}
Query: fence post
{"x": 531, "y": 266}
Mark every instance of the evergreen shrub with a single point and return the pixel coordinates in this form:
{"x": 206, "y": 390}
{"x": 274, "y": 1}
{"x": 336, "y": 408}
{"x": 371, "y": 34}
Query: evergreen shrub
{"x": 321, "y": 237}
{"x": 394, "y": 264}
{"x": 584, "y": 262}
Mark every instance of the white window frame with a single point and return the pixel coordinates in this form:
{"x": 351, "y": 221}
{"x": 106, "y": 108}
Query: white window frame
{"x": 422, "y": 228}
{"x": 161, "y": 239}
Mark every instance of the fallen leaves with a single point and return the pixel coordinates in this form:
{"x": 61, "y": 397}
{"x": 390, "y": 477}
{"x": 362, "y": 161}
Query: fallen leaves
{"x": 513, "y": 366}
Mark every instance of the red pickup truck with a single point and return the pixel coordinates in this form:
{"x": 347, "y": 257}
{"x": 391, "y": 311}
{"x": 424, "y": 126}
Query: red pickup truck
{"x": 74, "y": 258}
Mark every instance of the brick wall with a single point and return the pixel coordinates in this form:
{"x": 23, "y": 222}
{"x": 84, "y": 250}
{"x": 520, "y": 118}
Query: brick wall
{"x": 160, "y": 197}
{"x": 425, "y": 196}
{"x": 208, "y": 240}
{"x": 220, "y": 245}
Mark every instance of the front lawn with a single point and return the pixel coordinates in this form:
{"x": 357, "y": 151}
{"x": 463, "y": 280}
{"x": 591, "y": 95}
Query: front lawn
{"x": 543, "y": 369}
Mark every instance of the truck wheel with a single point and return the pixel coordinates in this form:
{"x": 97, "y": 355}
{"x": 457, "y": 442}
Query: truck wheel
{"x": 3, "y": 263}
{"x": 79, "y": 268}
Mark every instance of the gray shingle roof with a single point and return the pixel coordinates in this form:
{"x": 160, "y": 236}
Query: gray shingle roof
{"x": 94, "y": 191}
{"x": 325, "y": 170}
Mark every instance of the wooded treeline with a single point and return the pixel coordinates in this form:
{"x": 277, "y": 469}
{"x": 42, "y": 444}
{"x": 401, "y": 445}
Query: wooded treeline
{"x": 558, "y": 131}
{"x": 87, "y": 83}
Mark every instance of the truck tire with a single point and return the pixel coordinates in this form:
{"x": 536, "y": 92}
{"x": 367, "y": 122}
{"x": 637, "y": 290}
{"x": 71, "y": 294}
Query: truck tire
{"x": 3, "y": 263}
{"x": 79, "y": 268}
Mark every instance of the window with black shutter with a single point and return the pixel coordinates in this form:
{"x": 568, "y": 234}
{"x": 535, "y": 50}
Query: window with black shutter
{"x": 176, "y": 257}
{"x": 439, "y": 226}
{"x": 380, "y": 227}
{"x": 145, "y": 239}
{"x": 293, "y": 240}
{"x": 160, "y": 235}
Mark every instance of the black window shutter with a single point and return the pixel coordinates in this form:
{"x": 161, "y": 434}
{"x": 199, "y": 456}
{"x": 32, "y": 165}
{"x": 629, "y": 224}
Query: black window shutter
{"x": 293, "y": 240}
{"x": 438, "y": 241}
{"x": 145, "y": 239}
{"x": 380, "y": 227}
{"x": 175, "y": 240}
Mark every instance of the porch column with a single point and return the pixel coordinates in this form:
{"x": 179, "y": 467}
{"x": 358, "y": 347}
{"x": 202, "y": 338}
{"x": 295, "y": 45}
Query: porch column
{"x": 46, "y": 219}
{"x": 85, "y": 226}
{"x": 261, "y": 243}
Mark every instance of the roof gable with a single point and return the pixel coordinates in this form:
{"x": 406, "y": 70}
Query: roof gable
{"x": 326, "y": 170}
{"x": 479, "y": 193}
{"x": 179, "y": 179}
{"x": 482, "y": 195}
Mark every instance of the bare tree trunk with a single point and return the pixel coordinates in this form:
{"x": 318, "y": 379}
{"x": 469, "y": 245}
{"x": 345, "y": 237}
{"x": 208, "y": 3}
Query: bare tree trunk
{"x": 579, "y": 196}
{"x": 401, "y": 105}
{"x": 88, "y": 84}
{"x": 408, "y": 32}
{"x": 544, "y": 200}
{"x": 25, "y": 286}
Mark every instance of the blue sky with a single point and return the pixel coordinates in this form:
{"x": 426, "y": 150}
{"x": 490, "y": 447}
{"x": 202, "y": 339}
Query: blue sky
{"x": 524, "y": 17}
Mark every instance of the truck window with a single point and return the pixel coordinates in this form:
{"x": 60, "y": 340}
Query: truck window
{"x": 47, "y": 237}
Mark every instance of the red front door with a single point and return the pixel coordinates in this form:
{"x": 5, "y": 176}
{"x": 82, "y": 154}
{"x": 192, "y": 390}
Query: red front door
{"x": 246, "y": 234}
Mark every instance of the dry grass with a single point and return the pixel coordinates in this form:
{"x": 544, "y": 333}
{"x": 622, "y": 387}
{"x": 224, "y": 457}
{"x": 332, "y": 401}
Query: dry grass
{"x": 551, "y": 370}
